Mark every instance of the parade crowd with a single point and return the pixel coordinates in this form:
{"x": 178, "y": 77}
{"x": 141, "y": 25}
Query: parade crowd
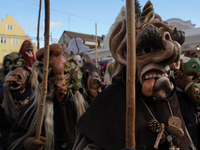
{"x": 85, "y": 104}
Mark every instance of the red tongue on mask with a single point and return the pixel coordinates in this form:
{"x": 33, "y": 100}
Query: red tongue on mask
{"x": 147, "y": 87}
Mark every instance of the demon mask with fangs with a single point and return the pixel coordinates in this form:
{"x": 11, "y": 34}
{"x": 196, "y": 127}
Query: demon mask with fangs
{"x": 27, "y": 51}
{"x": 158, "y": 45}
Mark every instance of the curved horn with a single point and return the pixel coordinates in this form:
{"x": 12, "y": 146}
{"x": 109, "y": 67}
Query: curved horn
{"x": 56, "y": 49}
{"x": 117, "y": 42}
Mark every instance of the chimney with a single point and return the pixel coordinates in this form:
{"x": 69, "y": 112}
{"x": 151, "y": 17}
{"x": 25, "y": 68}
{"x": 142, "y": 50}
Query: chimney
{"x": 103, "y": 37}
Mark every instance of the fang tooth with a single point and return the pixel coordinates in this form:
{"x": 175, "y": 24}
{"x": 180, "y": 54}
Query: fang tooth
{"x": 159, "y": 75}
{"x": 163, "y": 75}
{"x": 166, "y": 75}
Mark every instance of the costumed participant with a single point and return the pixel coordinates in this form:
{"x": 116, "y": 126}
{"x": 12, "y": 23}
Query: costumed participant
{"x": 27, "y": 51}
{"x": 91, "y": 81}
{"x": 18, "y": 90}
{"x": 102, "y": 126}
{"x": 64, "y": 105}
{"x": 188, "y": 92}
{"x": 1, "y": 91}
{"x": 12, "y": 60}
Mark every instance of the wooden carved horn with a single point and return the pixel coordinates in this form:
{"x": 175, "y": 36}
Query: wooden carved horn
{"x": 117, "y": 42}
{"x": 55, "y": 49}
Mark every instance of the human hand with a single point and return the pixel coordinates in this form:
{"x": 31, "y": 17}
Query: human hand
{"x": 33, "y": 144}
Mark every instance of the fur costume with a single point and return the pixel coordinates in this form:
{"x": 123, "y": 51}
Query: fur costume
{"x": 158, "y": 45}
{"x": 64, "y": 105}
{"x": 19, "y": 87}
{"x": 27, "y": 51}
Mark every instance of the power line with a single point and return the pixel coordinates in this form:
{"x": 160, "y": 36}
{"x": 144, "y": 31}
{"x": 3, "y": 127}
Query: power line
{"x": 68, "y": 13}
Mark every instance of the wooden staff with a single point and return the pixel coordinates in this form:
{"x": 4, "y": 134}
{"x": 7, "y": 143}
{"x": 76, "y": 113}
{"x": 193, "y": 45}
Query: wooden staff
{"x": 96, "y": 42}
{"x": 45, "y": 72}
{"x": 38, "y": 27}
{"x": 130, "y": 75}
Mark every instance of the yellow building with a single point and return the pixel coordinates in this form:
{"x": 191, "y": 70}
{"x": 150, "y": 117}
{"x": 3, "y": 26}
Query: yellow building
{"x": 11, "y": 37}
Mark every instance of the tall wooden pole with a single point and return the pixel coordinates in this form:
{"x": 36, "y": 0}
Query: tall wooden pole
{"x": 131, "y": 75}
{"x": 45, "y": 71}
{"x": 96, "y": 42}
{"x": 38, "y": 27}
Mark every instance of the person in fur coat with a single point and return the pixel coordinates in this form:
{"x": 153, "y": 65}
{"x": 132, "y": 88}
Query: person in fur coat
{"x": 64, "y": 106}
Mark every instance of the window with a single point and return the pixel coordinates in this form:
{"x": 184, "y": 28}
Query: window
{"x": 15, "y": 41}
{"x": 3, "y": 40}
{"x": 9, "y": 27}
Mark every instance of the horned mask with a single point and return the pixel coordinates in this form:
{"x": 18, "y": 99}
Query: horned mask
{"x": 158, "y": 45}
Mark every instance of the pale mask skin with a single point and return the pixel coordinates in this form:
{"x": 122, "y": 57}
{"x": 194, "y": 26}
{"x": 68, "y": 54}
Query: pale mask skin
{"x": 157, "y": 48}
{"x": 28, "y": 49}
{"x": 153, "y": 67}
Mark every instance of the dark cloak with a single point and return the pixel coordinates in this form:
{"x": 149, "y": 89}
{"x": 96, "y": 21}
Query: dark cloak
{"x": 104, "y": 121}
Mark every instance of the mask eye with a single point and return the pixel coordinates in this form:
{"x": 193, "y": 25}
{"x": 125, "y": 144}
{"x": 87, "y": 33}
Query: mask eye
{"x": 196, "y": 90}
{"x": 7, "y": 63}
{"x": 194, "y": 66}
{"x": 20, "y": 76}
{"x": 19, "y": 63}
{"x": 147, "y": 50}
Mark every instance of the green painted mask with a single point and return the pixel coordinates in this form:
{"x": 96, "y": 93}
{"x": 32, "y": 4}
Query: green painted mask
{"x": 194, "y": 92}
{"x": 192, "y": 64}
{"x": 12, "y": 60}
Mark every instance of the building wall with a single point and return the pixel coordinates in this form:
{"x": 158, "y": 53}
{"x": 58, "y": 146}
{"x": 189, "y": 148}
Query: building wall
{"x": 64, "y": 40}
{"x": 16, "y": 33}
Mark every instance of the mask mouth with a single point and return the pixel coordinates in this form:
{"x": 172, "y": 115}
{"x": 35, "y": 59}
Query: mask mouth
{"x": 28, "y": 52}
{"x": 154, "y": 73}
{"x": 14, "y": 86}
{"x": 155, "y": 78}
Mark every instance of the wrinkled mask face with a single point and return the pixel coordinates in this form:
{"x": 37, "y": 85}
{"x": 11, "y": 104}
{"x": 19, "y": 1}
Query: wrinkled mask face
{"x": 192, "y": 64}
{"x": 153, "y": 65}
{"x": 93, "y": 83}
{"x": 12, "y": 60}
{"x": 60, "y": 82}
{"x": 28, "y": 49}
{"x": 194, "y": 92}
{"x": 18, "y": 79}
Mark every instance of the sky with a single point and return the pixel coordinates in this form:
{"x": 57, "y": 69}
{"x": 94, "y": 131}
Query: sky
{"x": 82, "y": 15}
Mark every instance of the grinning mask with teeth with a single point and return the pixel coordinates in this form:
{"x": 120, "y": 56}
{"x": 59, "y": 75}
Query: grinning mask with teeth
{"x": 158, "y": 45}
{"x": 27, "y": 51}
